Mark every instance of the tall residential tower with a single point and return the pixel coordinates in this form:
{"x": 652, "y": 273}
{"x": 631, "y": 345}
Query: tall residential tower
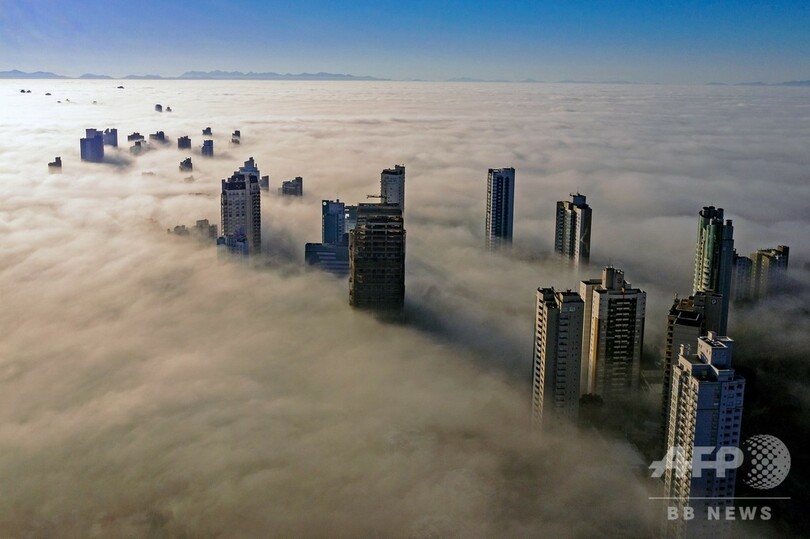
{"x": 500, "y": 207}
{"x": 616, "y": 334}
{"x": 557, "y": 352}
{"x": 706, "y": 407}
{"x": 241, "y": 211}
{"x": 572, "y": 236}
{"x": 392, "y": 186}
{"x": 714, "y": 252}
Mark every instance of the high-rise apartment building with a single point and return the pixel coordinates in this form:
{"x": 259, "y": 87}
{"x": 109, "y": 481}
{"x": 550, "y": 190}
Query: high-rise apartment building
{"x": 292, "y": 188}
{"x": 241, "y": 210}
{"x": 688, "y": 319}
{"x": 705, "y": 410}
{"x": 714, "y": 257}
{"x": 392, "y": 186}
{"x": 768, "y": 271}
{"x": 110, "y": 137}
{"x": 92, "y": 146}
{"x": 500, "y": 207}
{"x": 377, "y": 258}
{"x": 557, "y": 354}
{"x": 333, "y": 221}
{"x": 616, "y": 335}
{"x": 332, "y": 254}
{"x": 208, "y": 148}
{"x": 740, "y": 277}
{"x": 572, "y": 236}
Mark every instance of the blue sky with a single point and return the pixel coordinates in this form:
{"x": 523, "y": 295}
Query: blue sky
{"x": 646, "y": 41}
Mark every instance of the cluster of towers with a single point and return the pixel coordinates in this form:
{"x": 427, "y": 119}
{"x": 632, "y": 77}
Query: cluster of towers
{"x": 367, "y": 242}
{"x": 590, "y": 342}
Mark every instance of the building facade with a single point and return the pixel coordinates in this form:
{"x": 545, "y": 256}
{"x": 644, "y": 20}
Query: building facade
{"x": 208, "y": 148}
{"x": 688, "y": 319}
{"x": 292, "y": 188}
{"x": 706, "y": 407}
{"x": 616, "y": 336}
{"x": 241, "y": 211}
{"x": 557, "y": 354}
{"x": 500, "y": 207}
{"x": 769, "y": 271}
{"x": 572, "y": 235}
{"x": 392, "y": 186}
{"x": 714, "y": 257}
{"x": 377, "y": 258}
{"x": 92, "y": 146}
{"x": 333, "y": 221}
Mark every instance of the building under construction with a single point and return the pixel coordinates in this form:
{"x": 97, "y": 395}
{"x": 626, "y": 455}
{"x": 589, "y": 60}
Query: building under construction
{"x": 377, "y": 258}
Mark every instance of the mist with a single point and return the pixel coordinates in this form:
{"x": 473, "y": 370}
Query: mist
{"x": 147, "y": 387}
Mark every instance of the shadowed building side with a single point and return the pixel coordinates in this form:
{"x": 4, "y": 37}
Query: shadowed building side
{"x": 377, "y": 258}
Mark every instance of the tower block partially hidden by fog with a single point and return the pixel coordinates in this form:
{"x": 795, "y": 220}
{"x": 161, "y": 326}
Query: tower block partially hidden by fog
{"x": 241, "y": 211}
{"x": 377, "y": 258}
{"x": 392, "y": 186}
{"x": 572, "y": 236}
{"x": 557, "y": 352}
{"x": 714, "y": 258}
{"x": 500, "y": 207}
{"x": 706, "y": 405}
{"x": 689, "y": 319}
{"x": 611, "y": 349}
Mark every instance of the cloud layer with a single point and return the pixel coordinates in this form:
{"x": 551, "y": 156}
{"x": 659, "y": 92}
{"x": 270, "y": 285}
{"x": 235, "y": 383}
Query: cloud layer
{"x": 146, "y": 387}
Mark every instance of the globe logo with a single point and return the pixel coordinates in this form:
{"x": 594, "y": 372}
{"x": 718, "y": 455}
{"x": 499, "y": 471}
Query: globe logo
{"x": 768, "y": 461}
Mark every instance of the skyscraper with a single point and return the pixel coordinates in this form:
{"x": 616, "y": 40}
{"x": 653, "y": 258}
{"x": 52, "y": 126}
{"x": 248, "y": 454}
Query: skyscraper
{"x": 557, "y": 353}
{"x": 740, "y": 277}
{"x": 92, "y": 146}
{"x": 572, "y": 237}
{"x": 616, "y": 335}
{"x": 768, "y": 271}
{"x": 208, "y": 148}
{"x": 688, "y": 319}
{"x": 586, "y": 289}
{"x": 332, "y": 254}
{"x": 110, "y": 137}
{"x": 706, "y": 406}
{"x": 292, "y": 188}
{"x": 333, "y": 221}
{"x": 714, "y": 251}
{"x": 241, "y": 211}
{"x": 377, "y": 258}
{"x": 500, "y": 207}
{"x": 392, "y": 186}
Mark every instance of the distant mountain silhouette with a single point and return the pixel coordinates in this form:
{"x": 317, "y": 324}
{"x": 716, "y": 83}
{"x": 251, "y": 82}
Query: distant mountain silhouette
{"x": 238, "y": 75}
{"x": 17, "y": 74}
{"x": 760, "y": 83}
{"x": 469, "y": 79}
{"x": 91, "y": 76}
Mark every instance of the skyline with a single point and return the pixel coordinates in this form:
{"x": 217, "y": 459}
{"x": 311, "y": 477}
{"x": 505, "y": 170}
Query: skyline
{"x": 683, "y": 43}
{"x": 181, "y": 385}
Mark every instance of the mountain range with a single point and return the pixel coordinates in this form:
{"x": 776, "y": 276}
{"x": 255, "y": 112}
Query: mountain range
{"x": 194, "y": 75}
{"x": 238, "y": 75}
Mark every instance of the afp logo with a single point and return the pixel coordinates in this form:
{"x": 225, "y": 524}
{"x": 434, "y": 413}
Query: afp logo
{"x": 765, "y": 461}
